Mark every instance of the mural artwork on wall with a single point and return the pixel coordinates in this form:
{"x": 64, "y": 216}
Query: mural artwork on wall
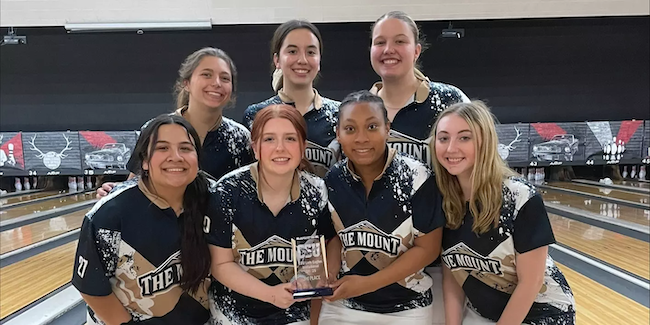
{"x": 645, "y": 147}
{"x": 106, "y": 152}
{"x": 52, "y": 153}
{"x": 557, "y": 142}
{"x": 11, "y": 154}
{"x": 613, "y": 141}
{"x": 513, "y": 142}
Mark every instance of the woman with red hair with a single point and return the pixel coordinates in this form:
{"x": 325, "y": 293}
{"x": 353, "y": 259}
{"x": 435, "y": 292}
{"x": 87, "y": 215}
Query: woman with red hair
{"x": 260, "y": 208}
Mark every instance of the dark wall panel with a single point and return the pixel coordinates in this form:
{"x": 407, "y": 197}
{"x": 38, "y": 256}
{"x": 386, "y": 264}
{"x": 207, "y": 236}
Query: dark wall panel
{"x": 538, "y": 70}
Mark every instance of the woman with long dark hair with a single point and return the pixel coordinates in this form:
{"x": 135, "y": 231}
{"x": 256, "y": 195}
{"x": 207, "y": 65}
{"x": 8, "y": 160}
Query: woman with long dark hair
{"x": 142, "y": 256}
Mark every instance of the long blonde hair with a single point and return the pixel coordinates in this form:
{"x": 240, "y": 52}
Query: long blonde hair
{"x": 487, "y": 175}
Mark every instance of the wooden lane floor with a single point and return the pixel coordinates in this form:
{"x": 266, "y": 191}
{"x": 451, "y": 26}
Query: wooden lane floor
{"x": 605, "y": 209}
{"x": 627, "y": 253}
{"x": 28, "y": 197}
{"x": 29, "y": 234}
{"x": 27, "y": 281}
{"x": 633, "y": 184}
{"x": 596, "y": 304}
{"x": 45, "y": 205}
{"x": 608, "y": 192}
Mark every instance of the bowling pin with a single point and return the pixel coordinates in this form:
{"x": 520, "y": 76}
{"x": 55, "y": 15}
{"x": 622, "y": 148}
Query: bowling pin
{"x": 10, "y": 157}
{"x": 26, "y": 184}
{"x": 531, "y": 175}
{"x": 89, "y": 183}
{"x": 34, "y": 182}
{"x": 543, "y": 173}
{"x": 624, "y": 172}
{"x": 18, "y": 184}
{"x": 642, "y": 173}
{"x": 633, "y": 172}
{"x": 80, "y": 183}
{"x": 72, "y": 184}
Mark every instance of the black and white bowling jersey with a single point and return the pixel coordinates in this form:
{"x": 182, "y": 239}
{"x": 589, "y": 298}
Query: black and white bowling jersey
{"x": 410, "y": 130}
{"x": 404, "y": 203}
{"x": 225, "y": 148}
{"x": 485, "y": 265}
{"x": 322, "y": 148}
{"x": 129, "y": 245}
{"x": 261, "y": 242}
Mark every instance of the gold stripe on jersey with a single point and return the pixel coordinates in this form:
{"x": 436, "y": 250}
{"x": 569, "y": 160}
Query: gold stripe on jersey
{"x": 148, "y": 290}
{"x": 273, "y": 256}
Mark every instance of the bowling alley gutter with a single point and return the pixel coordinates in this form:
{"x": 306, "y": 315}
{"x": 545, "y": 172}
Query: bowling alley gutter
{"x": 596, "y": 196}
{"x": 638, "y": 190}
{"x": 47, "y": 198}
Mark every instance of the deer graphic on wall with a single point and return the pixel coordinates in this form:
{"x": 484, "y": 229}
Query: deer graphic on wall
{"x": 51, "y": 159}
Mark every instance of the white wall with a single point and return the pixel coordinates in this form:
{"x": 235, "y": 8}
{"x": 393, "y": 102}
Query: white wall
{"x": 58, "y": 12}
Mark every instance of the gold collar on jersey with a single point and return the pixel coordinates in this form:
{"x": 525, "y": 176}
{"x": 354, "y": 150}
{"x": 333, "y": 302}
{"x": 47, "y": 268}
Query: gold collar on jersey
{"x": 183, "y": 109}
{"x": 295, "y": 186}
{"x": 317, "y": 104}
{"x": 157, "y": 200}
{"x": 391, "y": 155}
{"x": 421, "y": 94}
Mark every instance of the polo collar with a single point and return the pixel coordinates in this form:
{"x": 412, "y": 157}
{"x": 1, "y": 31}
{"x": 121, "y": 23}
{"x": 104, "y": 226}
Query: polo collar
{"x": 295, "y": 186}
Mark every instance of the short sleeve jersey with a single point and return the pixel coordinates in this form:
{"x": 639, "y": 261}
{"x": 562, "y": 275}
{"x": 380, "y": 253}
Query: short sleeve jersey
{"x": 404, "y": 203}
{"x": 261, "y": 242}
{"x": 410, "y": 130}
{"x": 225, "y": 148}
{"x": 484, "y": 265}
{"x": 129, "y": 245}
{"x": 322, "y": 148}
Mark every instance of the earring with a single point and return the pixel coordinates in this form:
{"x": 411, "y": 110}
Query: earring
{"x": 145, "y": 173}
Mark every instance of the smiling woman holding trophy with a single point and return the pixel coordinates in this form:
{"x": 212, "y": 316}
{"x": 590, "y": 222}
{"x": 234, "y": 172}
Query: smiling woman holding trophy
{"x": 389, "y": 222}
{"x": 266, "y": 211}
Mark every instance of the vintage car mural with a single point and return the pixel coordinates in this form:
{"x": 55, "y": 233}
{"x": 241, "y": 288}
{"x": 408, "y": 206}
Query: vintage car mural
{"x": 110, "y": 155}
{"x": 560, "y": 147}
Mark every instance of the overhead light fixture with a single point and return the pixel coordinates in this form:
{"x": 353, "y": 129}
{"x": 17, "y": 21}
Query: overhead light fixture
{"x": 139, "y": 27}
{"x": 12, "y": 39}
{"x": 452, "y": 32}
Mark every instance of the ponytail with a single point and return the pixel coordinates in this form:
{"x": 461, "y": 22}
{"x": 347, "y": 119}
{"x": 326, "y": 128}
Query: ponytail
{"x": 277, "y": 81}
{"x": 195, "y": 255}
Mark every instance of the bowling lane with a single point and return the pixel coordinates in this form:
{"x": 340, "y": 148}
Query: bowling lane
{"x": 630, "y": 254}
{"x": 28, "y": 197}
{"x": 605, "y": 209}
{"x": 45, "y": 205}
{"x": 618, "y": 194}
{"x": 26, "y": 235}
{"x": 597, "y": 304}
{"x": 26, "y": 281}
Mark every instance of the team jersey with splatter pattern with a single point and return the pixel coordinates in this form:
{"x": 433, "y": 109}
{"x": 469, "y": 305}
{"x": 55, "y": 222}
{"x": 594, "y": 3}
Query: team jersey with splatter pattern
{"x": 129, "y": 246}
{"x": 484, "y": 265}
{"x": 224, "y": 149}
{"x": 410, "y": 129}
{"x": 322, "y": 148}
{"x": 261, "y": 241}
{"x": 375, "y": 230}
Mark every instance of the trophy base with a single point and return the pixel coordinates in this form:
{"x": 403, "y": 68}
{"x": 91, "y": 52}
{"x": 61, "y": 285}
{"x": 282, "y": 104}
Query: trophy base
{"x": 312, "y": 293}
